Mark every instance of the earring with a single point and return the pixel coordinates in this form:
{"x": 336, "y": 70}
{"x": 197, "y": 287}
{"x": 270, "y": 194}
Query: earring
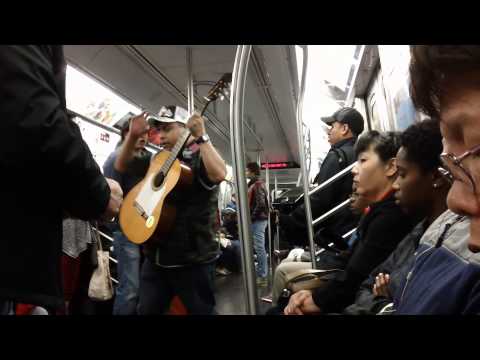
{"x": 435, "y": 186}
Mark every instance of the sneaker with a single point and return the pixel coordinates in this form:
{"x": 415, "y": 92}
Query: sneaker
{"x": 267, "y": 299}
{"x": 281, "y": 254}
{"x": 262, "y": 281}
{"x": 223, "y": 271}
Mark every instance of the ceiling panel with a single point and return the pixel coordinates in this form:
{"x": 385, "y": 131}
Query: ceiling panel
{"x": 135, "y": 75}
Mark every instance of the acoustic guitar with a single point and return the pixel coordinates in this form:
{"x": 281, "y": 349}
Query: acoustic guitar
{"x": 144, "y": 211}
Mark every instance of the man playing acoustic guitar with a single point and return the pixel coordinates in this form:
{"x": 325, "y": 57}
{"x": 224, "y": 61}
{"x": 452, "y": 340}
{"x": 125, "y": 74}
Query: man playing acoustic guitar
{"x": 181, "y": 263}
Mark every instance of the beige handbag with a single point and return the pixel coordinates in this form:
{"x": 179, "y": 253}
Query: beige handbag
{"x": 308, "y": 279}
{"x": 100, "y": 288}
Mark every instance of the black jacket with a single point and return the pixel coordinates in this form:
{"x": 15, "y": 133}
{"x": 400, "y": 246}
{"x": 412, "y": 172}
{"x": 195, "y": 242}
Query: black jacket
{"x": 46, "y": 170}
{"x": 397, "y": 265}
{"x": 339, "y": 157}
{"x": 191, "y": 239}
{"x": 379, "y": 233}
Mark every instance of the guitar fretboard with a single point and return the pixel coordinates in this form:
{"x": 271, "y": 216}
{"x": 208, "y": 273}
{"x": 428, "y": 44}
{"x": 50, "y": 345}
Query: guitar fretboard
{"x": 174, "y": 153}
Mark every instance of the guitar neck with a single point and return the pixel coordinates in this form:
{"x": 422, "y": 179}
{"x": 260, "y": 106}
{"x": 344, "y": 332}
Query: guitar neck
{"x": 205, "y": 107}
{"x": 175, "y": 151}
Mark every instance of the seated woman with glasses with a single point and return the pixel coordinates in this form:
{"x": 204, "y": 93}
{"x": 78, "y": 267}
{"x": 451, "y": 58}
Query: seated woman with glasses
{"x": 445, "y": 277}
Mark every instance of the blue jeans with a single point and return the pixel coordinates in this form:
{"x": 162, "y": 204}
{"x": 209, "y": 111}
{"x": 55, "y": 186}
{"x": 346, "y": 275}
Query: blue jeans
{"x": 128, "y": 270}
{"x": 192, "y": 284}
{"x": 258, "y": 231}
{"x": 231, "y": 257}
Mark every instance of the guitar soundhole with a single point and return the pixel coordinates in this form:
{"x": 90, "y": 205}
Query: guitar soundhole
{"x": 158, "y": 181}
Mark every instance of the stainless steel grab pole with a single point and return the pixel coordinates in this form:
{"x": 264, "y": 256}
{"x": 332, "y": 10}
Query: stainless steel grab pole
{"x": 301, "y": 146}
{"x": 237, "y": 147}
{"x": 190, "y": 94}
{"x": 270, "y": 250}
{"x": 276, "y": 240}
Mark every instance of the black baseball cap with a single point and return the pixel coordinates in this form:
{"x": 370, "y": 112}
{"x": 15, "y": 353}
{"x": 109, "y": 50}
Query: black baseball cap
{"x": 349, "y": 116}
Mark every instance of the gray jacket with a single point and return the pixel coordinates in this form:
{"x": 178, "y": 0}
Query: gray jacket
{"x": 76, "y": 236}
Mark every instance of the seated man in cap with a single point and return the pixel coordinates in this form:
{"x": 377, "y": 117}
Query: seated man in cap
{"x": 183, "y": 263}
{"x": 346, "y": 124}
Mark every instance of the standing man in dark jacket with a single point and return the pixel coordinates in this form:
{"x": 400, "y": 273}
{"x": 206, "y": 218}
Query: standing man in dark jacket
{"x": 181, "y": 263}
{"x": 47, "y": 171}
{"x": 258, "y": 201}
{"x": 346, "y": 124}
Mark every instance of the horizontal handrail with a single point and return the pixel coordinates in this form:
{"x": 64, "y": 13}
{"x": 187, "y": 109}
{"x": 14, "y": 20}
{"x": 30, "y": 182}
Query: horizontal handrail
{"x": 103, "y": 234}
{"x": 344, "y": 236}
{"x": 331, "y": 180}
{"x": 349, "y": 233}
{"x": 110, "y": 258}
{"x": 107, "y": 127}
{"x": 318, "y": 252}
{"x": 108, "y": 238}
{"x": 331, "y": 212}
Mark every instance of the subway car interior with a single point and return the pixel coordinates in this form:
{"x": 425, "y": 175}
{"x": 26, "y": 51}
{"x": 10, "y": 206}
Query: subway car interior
{"x": 282, "y": 140}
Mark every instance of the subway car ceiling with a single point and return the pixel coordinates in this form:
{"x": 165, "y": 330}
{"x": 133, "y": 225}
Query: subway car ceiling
{"x": 154, "y": 75}
{"x": 366, "y": 69}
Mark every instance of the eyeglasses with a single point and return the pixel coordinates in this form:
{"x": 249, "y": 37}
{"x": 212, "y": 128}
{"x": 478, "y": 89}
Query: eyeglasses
{"x": 455, "y": 170}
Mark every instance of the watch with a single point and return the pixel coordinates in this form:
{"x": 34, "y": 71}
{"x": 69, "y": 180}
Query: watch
{"x": 202, "y": 139}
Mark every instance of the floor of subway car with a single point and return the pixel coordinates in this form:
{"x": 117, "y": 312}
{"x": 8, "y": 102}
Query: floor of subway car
{"x": 230, "y": 295}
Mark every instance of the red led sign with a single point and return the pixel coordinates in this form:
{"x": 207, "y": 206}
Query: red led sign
{"x": 280, "y": 165}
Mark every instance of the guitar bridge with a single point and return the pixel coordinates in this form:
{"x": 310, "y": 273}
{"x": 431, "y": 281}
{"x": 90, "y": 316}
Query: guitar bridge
{"x": 140, "y": 210}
